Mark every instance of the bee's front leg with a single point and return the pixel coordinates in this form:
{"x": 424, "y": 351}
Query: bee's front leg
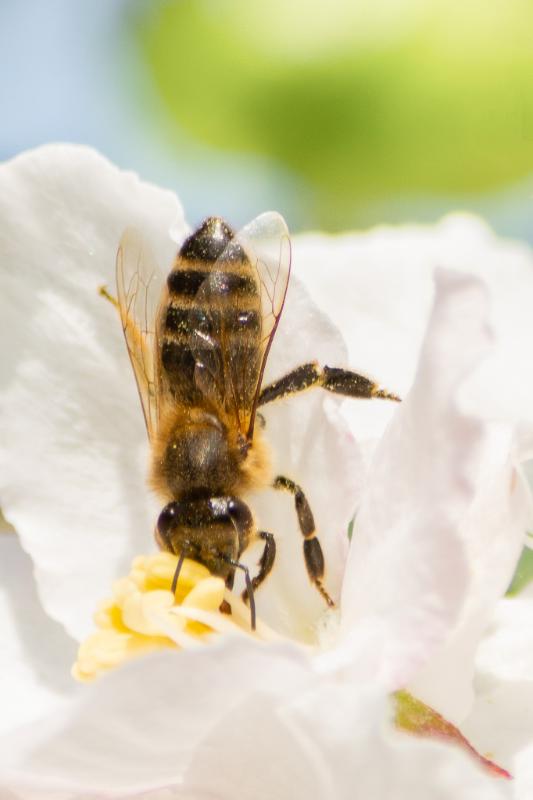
{"x": 266, "y": 562}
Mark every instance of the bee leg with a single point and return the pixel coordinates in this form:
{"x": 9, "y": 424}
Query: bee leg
{"x": 230, "y": 580}
{"x": 225, "y": 607}
{"x": 339, "y": 381}
{"x": 266, "y": 562}
{"x": 313, "y": 555}
{"x": 249, "y": 588}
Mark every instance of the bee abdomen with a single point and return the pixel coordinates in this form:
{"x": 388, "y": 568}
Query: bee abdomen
{"x": 185, "y": 282}
{"x": 180, "y": 320}
{"x": 179, "y": 361}
{"x": 213, "y": 297}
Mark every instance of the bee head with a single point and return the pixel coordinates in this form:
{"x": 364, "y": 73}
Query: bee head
{"x": 210, "y": 530}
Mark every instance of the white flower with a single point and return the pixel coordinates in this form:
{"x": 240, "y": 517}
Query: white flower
{"x": 442, "y": 513}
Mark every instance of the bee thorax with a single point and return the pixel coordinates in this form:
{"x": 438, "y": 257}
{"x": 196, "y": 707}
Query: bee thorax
{"x": 199, "y": 457}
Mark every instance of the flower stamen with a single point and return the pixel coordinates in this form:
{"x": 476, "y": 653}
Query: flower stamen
{"x": 144, "y": 615}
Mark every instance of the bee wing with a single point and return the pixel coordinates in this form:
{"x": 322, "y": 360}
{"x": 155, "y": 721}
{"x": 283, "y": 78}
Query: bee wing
{"x": 229, "y": 366}
{"x": 267, "y": 242}
{"x": 140, "y": 284}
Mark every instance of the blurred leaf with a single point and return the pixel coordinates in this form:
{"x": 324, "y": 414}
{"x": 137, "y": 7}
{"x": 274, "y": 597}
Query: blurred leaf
{"x": 363, "y": 100}
{"x": 350, "y": 529}
{"x": 524, "y": 572}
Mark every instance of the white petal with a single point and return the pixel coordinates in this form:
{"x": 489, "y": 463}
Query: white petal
{"x": 493, "y": 534}
{"x": 73, "y": 451}
{"x": 387, "y": 274}
{"x": 35, "y": 653}
{"x": 344, "y": 731}
{"x": 408, "y": 573}
{"x": 378, "y": 286}
{"x": 328, "y": 742}
{"x": 139, "y": 727}
{"x": 253, "y": 722}
{"x": 501, "y": 719}
{"x": 506, "y": 267}
{"x": 504, "y": 681}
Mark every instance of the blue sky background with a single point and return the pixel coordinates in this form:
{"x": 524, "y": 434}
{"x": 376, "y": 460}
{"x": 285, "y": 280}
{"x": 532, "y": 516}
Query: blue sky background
{"x": 71, "y": 73}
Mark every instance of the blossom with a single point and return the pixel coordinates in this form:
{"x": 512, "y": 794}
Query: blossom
{"x": 442, "y": 510}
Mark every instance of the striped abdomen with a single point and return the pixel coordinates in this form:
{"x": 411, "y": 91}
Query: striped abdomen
{"x": 212, "y": 318}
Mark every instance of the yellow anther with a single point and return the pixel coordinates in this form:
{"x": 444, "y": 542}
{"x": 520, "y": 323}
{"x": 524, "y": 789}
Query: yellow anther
{"x": 122, "y": 588}
{"x": 208, "y": 594}
{"x": 139, "y": 611}
{"x": 143, "y": 614}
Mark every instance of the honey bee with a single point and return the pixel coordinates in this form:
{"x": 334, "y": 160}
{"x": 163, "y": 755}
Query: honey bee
{"x": 198, "y": 344}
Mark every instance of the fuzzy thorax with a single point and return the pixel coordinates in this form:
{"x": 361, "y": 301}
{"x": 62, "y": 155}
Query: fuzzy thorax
{"x": 200, "y": 452}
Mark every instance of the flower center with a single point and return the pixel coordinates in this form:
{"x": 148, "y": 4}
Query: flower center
{"x": 143, "y": 615}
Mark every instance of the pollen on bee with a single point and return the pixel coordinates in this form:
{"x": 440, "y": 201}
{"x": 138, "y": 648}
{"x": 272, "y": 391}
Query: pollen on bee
{"x": 143, "y": 615}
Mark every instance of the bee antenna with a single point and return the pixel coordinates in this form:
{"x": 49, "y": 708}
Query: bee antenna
{"x": 177, "y": 573}
{"x": 249, "y": 589}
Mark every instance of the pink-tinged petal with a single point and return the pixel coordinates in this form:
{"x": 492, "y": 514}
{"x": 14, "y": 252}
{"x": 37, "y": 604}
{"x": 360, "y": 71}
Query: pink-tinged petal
{"x": 389, "y": 274}
{"x": 493, "y": 535}
{"x": 329, "y": 741}
{"x": 408, "y": 573}
{"x": 73, "y": 455}
{"x": 419, "y": 719}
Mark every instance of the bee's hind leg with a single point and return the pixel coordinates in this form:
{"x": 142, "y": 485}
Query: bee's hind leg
{"x": 333, "y": 379}
{"x": 313, "y": 555}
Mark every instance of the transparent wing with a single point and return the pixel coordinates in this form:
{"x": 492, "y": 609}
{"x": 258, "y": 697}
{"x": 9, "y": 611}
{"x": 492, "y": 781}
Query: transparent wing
{"x": 140, "y": 287}
{"x": 233, "y": 324}
{"x": 267, "y": 242}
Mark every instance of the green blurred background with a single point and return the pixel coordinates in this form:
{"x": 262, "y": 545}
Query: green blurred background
{"x": 340, "y": 115}
{"x": 372, "y": 106}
